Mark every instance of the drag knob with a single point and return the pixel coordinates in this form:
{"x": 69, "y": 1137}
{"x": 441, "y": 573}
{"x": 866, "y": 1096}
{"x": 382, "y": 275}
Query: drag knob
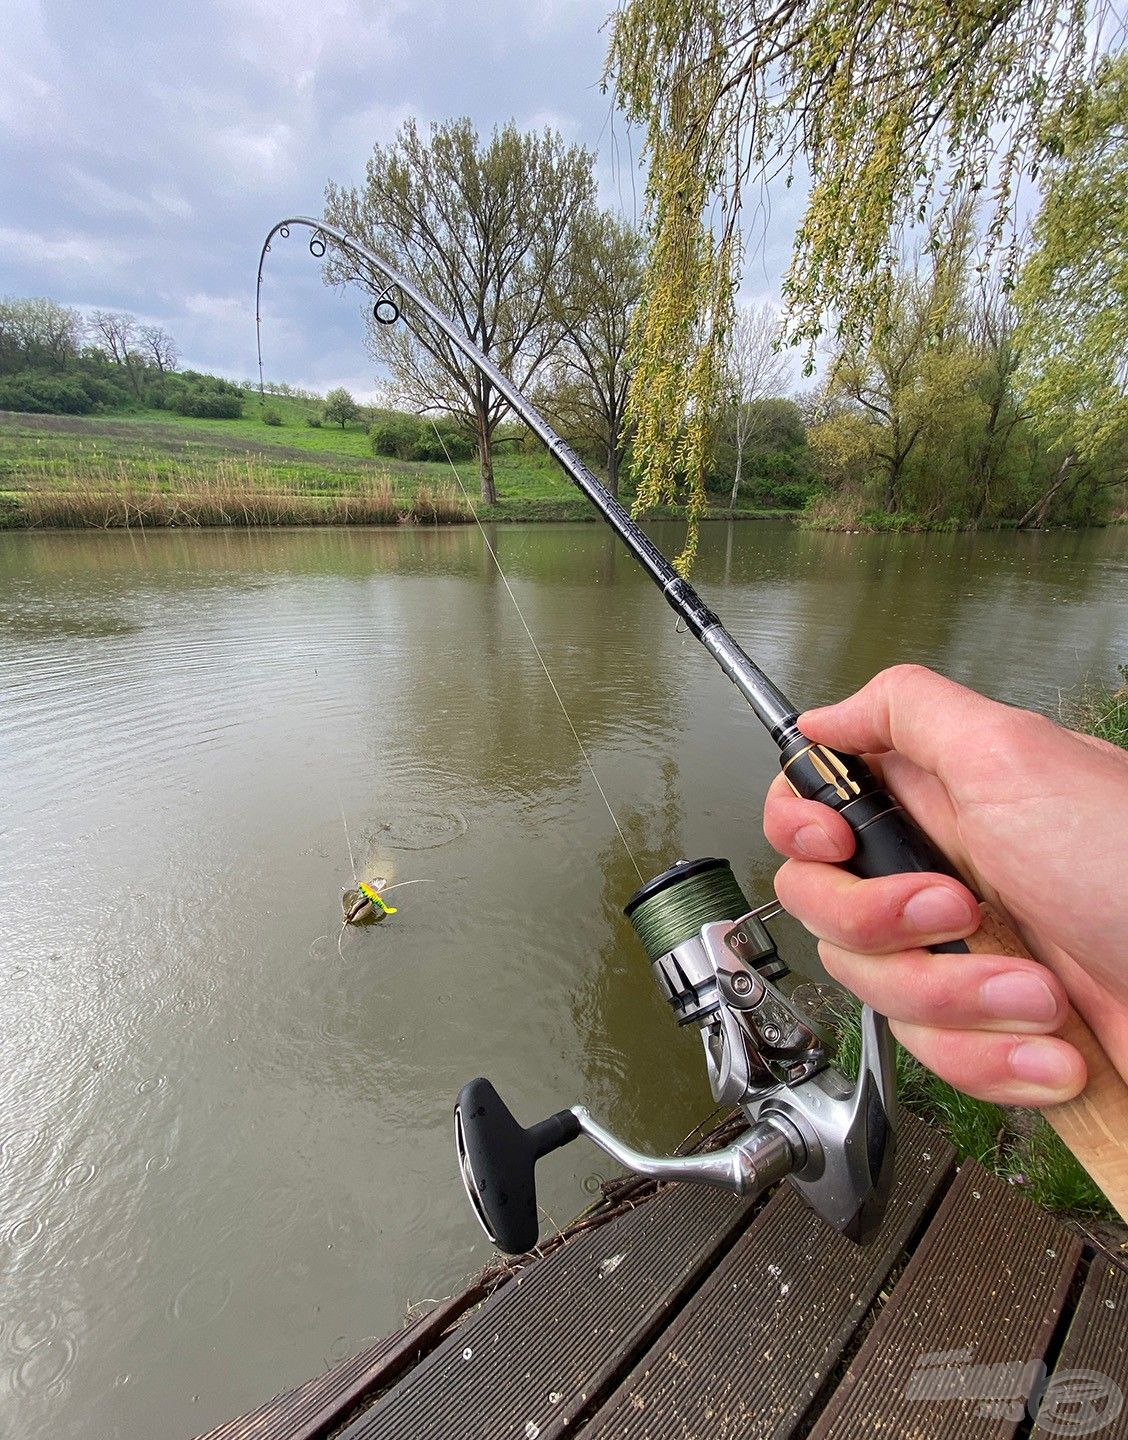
{"x": 497, "y": 1159}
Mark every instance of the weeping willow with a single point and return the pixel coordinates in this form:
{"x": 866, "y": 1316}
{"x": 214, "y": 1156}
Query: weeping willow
{"x": 889, "y": 108}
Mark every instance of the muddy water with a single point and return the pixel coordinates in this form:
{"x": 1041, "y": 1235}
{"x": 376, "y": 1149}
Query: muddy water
{"x": 225, "y": 1156}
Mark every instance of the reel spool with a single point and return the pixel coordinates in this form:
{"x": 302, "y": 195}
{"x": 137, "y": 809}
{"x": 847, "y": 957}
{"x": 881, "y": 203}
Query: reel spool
{"x": 668, "y": 914}
{"x": 674, "y": 905}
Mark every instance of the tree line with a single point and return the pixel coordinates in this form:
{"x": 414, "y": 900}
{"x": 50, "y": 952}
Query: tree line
{"x": 960, "y": 397}
{"x": 968, "y": 392}
{"x": 54, "y": 360}
{"x": 896, "y": 114}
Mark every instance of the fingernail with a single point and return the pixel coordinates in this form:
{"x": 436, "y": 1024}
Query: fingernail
{"x": 1018, "y": 996}
{"x": 815, "y": 842}
{"x": 1041, "y": 1064}
{"x": 938, "y": 910}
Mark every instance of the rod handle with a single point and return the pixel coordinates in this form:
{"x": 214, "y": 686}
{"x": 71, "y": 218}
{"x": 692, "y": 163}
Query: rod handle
{"x": 1094, "y": 1124}
{"x": 890, "y": 842}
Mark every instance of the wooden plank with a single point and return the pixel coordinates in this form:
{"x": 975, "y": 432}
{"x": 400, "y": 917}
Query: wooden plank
{"x": 313, "y": 1409}
{"x": 755, "y": 1345}
{"x": 558, "y": 1337}
{"x": 958, "y": 1348}
{"x": 1097, "y": 1344}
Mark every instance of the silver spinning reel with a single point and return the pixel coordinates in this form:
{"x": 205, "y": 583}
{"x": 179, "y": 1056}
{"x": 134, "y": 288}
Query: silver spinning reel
{"x": 832, "y": 1139}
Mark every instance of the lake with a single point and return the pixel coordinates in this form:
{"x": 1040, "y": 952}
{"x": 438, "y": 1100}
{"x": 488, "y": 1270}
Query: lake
{"x": 225, "y": 1125}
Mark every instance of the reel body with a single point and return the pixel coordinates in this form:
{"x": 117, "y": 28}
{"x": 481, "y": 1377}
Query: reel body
{"x": 716, "y": 965}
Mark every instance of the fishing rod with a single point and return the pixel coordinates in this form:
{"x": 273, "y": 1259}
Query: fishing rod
{"x": 712, "y": 955}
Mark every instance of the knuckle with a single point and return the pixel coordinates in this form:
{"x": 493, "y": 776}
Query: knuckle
{"x": 860, "y": 924}
{"x": 906, "y": 673}
{"x": 934, "y": 998}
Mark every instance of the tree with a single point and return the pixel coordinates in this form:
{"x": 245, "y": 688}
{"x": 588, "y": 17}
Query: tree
{"x": 754, "y": 370}
{"x": 118, "y": 336}
{"x": 340, "y": 406}
{"x": 37, "y": 334}
{"x": 912, "y": 374}
{"x": 1072, "y": 294}
{"x": 158, "y": 347}
{"x": 991, "y": 457}
{"x": 594, "y": 294}
{"x": 481, "y": 229}
{"x": 885, "y": 106}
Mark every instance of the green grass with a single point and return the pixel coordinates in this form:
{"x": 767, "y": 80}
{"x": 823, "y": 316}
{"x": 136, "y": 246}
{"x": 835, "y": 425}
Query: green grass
{"x": 1103, "y": 711}
{"x": 155, "y": 452}
{"x": 1017, "y": 1145}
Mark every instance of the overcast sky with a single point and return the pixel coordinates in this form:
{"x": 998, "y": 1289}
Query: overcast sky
{"x": 146, "y": 149}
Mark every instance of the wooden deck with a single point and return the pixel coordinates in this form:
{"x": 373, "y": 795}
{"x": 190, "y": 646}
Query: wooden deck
{"x": 692, "y": 1315}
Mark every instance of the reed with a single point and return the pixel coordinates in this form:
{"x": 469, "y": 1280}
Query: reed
{"x": 230, "y": 490}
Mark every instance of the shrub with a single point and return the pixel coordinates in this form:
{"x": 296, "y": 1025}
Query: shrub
{"x": 206, "y": 404}
{"x": 204, "y": 397}
{"x": 42, "y": 393}
{"x": 395, "y": 435}
{"x": 430, "y": 446}
{"x": 314, "y": 422}
{"x": 413, "y": 437}
{"x": 271, "y": 416}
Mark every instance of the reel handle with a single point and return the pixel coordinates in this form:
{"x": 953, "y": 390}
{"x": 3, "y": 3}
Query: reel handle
{"x": 497, "y": 1159}
{"x": 890, "y": 842}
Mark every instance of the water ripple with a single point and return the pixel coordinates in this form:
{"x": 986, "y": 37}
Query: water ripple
{"x": 44, "y": 1369}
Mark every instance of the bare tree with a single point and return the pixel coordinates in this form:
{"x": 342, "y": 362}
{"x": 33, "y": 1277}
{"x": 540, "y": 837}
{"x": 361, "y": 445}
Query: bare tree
{"x": 755, "y": 370}
{"x": 158, "y": 347}
{"x": 118, "y": 336}
{"x": 481, "y": 229}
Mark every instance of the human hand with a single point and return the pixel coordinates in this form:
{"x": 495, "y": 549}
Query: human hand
{"x": 1036, "y": 818}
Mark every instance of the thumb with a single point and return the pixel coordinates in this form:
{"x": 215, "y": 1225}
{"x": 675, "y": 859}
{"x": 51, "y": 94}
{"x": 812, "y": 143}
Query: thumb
{"x": 908, "y": 708}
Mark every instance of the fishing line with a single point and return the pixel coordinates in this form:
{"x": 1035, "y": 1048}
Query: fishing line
{"x": 671, "y": 909}
{"x": 536, "y": 650}
{"x": 348, "y": 841}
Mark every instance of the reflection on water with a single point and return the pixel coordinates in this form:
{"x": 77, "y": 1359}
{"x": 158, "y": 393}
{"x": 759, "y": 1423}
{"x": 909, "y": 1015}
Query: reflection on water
{"x": 224, "y": 1125}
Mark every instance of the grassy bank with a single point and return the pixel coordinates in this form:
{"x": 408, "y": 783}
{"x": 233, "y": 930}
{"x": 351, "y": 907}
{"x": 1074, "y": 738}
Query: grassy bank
{"x": 1019, "y": 1145}
{"x": 155, "y": 468}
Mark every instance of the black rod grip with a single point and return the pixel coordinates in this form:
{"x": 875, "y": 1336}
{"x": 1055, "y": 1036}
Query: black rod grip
{"x": 888, "y": 841}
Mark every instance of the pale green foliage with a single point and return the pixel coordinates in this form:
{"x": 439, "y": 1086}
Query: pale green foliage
{"x": 37, "y": 333}
{"x": 911, "y": 375}
{"x": 593, "y": 296}
{"x": 891, "y": 108}
{"x": 844, "y": 446}
{"x": 922, "y": 420}
{"x": 1073, "y": 291}
{"x": 340, "y": 407}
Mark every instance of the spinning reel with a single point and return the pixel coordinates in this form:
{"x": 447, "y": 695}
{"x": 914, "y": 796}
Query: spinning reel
{"x": 717, "y": 966}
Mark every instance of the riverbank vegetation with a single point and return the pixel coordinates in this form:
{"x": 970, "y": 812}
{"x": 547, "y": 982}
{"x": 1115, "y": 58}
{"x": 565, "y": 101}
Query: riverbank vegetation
{"x": 967, "y": 391}
{"x": 902, "y": 119}
{"x": 153, "y": 468}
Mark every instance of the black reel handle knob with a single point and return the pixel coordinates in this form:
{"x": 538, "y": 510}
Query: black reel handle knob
{"x": 497, "y": 1159}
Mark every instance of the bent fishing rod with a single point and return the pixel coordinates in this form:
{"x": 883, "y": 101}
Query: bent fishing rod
{"x": 711, "y": 953}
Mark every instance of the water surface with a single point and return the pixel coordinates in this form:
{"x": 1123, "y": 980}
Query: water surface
{"x": 225, "y": 1154}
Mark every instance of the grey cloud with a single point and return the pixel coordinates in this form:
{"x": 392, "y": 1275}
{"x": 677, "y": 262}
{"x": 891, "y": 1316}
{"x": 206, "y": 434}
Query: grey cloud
{"x": 145, "y": 151}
